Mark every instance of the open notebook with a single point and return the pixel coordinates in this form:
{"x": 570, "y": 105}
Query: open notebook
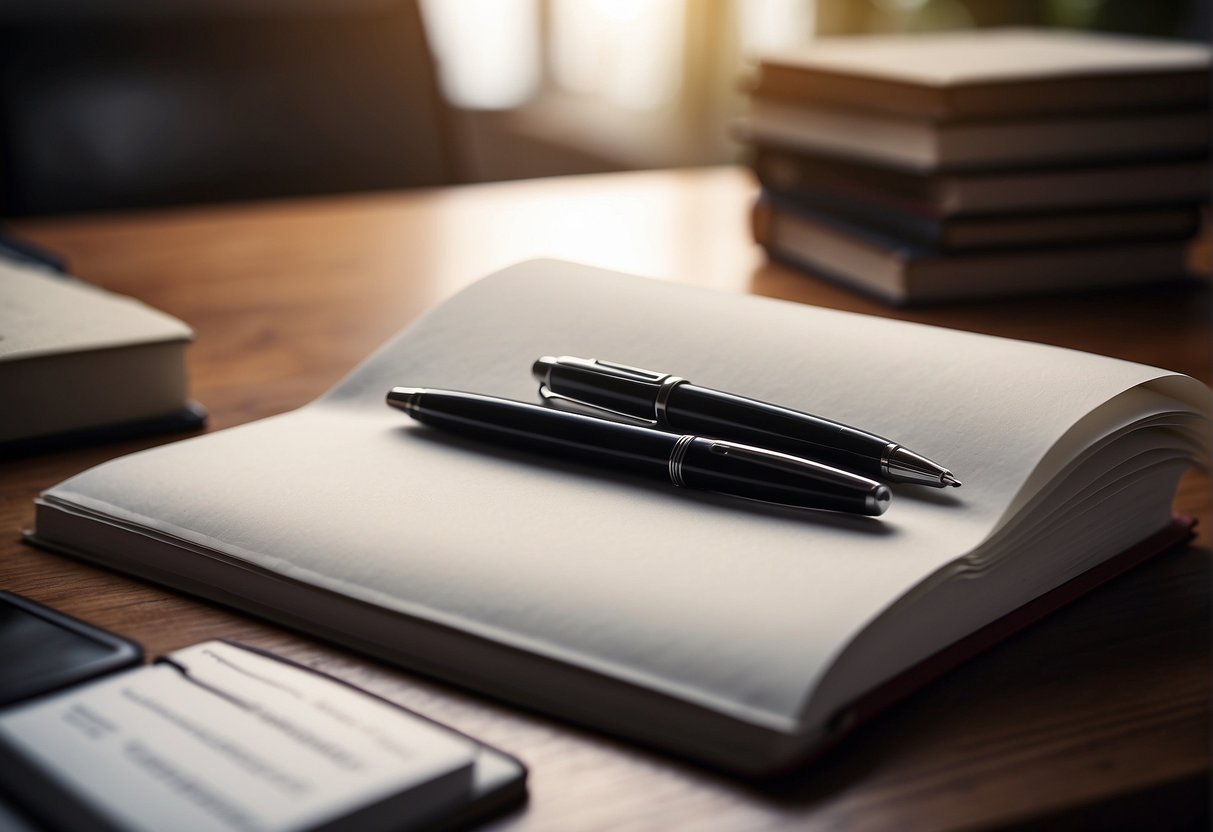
{"x": 742, "y": 634}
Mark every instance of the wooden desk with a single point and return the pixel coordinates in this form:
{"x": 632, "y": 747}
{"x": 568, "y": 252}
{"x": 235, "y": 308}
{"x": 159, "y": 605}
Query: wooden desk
{"x": 1096, "y": 717}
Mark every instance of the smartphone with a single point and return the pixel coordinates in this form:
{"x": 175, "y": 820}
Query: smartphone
{"x": 43, "y": 650}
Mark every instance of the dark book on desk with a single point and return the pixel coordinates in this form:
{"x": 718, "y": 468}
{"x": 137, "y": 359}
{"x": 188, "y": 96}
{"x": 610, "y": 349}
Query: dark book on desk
{"x": 1125, "y": 184}
{"x": 740, "y": 634}
{"x": 927, "y": 146}
{"x": 986, "y": 73}
{"x": 900, "y": 271}
{"x": 80, "y": 365}
{"x": 994, "y": 231}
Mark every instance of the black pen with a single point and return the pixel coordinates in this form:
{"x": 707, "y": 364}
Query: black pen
{"x": 675, "y": 404}
{"x": 685, "y": 460}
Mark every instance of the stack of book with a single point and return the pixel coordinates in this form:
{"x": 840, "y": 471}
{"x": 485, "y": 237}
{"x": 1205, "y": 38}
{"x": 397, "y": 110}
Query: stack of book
{"x": 974, "y": 164}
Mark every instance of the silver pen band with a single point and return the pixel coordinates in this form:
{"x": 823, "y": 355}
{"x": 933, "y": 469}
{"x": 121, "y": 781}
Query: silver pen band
{"x": 663, "y": 396}
{"x": 886, "y": 458}
{"x": 677, "y": 455}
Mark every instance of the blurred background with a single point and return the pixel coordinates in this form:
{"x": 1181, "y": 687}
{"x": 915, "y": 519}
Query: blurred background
{"x": 556, "y": 86}
{"x": 131, "y": 103}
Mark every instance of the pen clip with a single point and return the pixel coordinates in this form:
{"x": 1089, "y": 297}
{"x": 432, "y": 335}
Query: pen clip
{"x": 594, "y": 366}
{"x": 577, "y": 405}
{"x": 619, "y": 370}
{"x": 647, "y": 383}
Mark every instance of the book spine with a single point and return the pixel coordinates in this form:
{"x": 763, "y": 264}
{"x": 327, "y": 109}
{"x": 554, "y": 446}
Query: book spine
{"x": 921, "y": 233}
{"x": 788, "y": 171}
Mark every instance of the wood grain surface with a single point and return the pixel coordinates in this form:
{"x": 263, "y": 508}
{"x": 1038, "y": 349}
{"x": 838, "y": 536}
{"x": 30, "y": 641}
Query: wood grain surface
{"x": 1095, "y": 718}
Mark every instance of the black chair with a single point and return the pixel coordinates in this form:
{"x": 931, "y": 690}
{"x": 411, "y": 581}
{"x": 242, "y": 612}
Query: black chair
{"x": 115, "y": 105}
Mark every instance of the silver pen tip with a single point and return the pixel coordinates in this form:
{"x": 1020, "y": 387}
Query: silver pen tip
{"x": 405, "y": 398}
{"x": 947, "y": 479}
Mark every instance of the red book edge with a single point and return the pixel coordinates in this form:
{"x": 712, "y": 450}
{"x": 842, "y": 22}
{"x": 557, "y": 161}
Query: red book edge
{"x": 1181, "y": 530}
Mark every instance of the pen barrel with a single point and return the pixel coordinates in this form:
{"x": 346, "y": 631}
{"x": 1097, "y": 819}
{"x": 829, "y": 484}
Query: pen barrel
{"x": 692, "y": 409}
{"x": 684, "y": 460}
{"x": 687, "y": 408}
{"x": 529, "y": 427}
{"x": 759, "y": 474}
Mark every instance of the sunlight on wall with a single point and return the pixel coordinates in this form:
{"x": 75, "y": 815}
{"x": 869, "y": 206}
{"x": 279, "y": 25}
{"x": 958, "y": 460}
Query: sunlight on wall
{"x": 488, "y": 51}
{"x": 769, "y": 25}
{"x": 628, "y": 52}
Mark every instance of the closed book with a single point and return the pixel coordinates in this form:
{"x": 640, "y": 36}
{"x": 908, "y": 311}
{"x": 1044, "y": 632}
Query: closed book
{"x": 1131, "y": 183}
{"x": 922, "y": 145}
{"x": 741, "y": 634}
{"x": 998, "y": 231}
{"x": 900, "y": 272}
{"x": 990, "y": 73}
{"x": 80, "y": 365}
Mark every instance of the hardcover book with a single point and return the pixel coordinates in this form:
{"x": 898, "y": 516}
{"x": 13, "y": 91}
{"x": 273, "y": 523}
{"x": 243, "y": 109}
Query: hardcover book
{"x": 904, "y": 272}
{"x": 926, "y": 146}
{"x": 1133, "y": 184}
{"x": 991, "y": 73}
{"x": 1006, "y": 231}
{"x": 80, "y": 365}
{"x": 745, "y": 635}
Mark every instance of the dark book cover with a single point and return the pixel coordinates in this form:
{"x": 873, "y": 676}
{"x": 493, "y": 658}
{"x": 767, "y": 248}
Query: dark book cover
{"x": 941, "y": 234}
{"x": 1137, "y": 183}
